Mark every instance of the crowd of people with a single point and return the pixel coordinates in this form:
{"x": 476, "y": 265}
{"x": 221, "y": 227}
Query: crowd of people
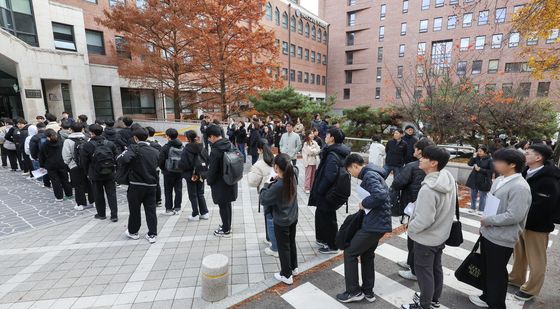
{"x": 86, "y": 162}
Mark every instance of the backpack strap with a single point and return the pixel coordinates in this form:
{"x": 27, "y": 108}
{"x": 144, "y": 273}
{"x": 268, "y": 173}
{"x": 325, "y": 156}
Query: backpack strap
{"x": 457, "y": 204}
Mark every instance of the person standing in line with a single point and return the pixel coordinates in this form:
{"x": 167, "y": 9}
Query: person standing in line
{"x": 52, "y": 124}
{"x": 97, "y": 158}
{"x": 430, "y": 226}
{"x": 142, "y": 160}
{"x": 257, "y": 178}
{"x": 290, "y": 143}
{"x": 124, "y": 135}
{"x": 396, "y": 150}
{"x": 376, "y": 151}
{"x": 317, "y": 138}
{"x": 3, "y": 130}
{"x": 530, "y": 251}
{"x": 32, "y": 131}
{"x": 480, "y": 178}
{"x": 172, "y": 180}
{"x": 310, "y": 153}
{"x": 65, "y": 129}
{"x": 222, "y": 193}
{"x": 109, "y": 132}
{"x": 410, "y": 139}
{"x": 377, "y": 222}
{"x": 50, "y": 158}
{"x": 194, "y": 162}
{"x": 500, "y": 232}
{"x": 36, "y": 144}
{"x": 254, "y": 139}
{"x": 241, "y": 139}
{"x": 19, "y": 136}
{"x": 10, "y": 146}
{"x": 155, "y": 144}
{"x": 279, "y": 130}
{"x": 231, "y": 128}
{"x": 71, "y": 156}
{"x": 281, "y": 198}
{"x": 267, "y": 134}
{"x": 407, "y": 185}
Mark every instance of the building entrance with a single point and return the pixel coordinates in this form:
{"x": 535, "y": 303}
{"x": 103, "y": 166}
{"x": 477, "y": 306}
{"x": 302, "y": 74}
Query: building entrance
{"x": 10, "y": 100}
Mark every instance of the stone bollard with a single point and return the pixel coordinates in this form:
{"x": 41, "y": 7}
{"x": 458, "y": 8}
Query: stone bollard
{"x": 215, "y": 276}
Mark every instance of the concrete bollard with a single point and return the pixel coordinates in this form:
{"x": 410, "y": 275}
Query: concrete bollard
{"x": 215, "y": 277}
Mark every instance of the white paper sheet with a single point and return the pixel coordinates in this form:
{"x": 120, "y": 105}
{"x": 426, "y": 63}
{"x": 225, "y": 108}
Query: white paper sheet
{"x": 409, "y": 210}
{"x": 39, "y": 173}
{"x": 492, "y": 204}
{"x": 362, "y": 194}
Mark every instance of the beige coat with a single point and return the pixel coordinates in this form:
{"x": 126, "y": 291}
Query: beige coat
{"x": 259, "y": 173}
{"x": 310, "y": 153}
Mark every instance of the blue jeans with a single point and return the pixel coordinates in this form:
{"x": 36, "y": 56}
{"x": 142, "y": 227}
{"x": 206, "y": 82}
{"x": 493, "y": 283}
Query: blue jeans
{"x": 395, "y": 169}
{"x": 242, "y": 150}
{"x": 474, "y": 194}
{"x": 271, "y": 235}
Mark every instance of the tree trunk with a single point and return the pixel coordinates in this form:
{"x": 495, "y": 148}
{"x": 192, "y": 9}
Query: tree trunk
{"x": 223, "y": 99}
{"x": 177, "y": 102}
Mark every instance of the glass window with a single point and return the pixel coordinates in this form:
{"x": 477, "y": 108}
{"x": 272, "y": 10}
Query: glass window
{"x": 299, "y": 76}
{"x": 285, "y": 74}
{"x": 277, "y": 16}
{"x": 461, "y": 68}
{"x": 348, "y": 77}
{"x": 490, "y": 88}
{"x": 325, "y": 37}
{"x": 400, "y": 70}
{"x": 422, "y": 48}
{"x": 513, "y": 39}
{"x": 293, "y": 24}
{"x": 405, "y": 6}
{"x": 63, "y": 37}
{"x": 467, "y": 20}
{"x": 268, "y": 11}
{"x": 493, "y": 66}
{"x": 383, "y": 11}
{"x": 141, "y": 4}
{"x": 403, "y": 28}
{"x": 464, "y": 45}
{"x": 319, "y": 58}
{"x": 312, "y": 56}
{"x": 285, "y": 47}
{"x": 21, "y": 6}
{"x": 440, "y": 3}
{"x": 483, "y": 18}
{"x": 292, "y": 50}
{"x": 16, "y": 17}
{"x": 285, "y": 20}
{"x": 397, "y": 92}
{"x": 419, "y": 70}
{"x": 513, "y": 67}
{"x": 350, "y": 36}
{"x": 480, "y": 42}
{"x": 300, "y": 26}
{"x": 425, "y": 4}
{"x": 423, "y": 25}
{"x": 477, "y": 67}
{"x": 293, "y": 75}
{"x": 378, "y": 74}
{"x": 552, "y": 37}
{"x": 346, "y": 94}
{"x": 349, "y": 57}
{"x": 497, "y": 41}
{"x": 542, "y": 89}
{"x": 95, "y": 44}
{"x": 452, "y": 22}
{"x": 306, "y": 78}
{"x": 441, "y": 55}
{"x": 306, "y": 30}
{"x": 351, "y": 16}
{"x": 438, "y": 21}
{"x": 138, "y": 101}
{"x": 102, "y": 102}
{"x": 501, "y": 15}
{"x": 525, "y": 89}
{"x": 313, "y": 33}
{"x": 300, "y": 52}
{"x": 323, "y": 80}
{"x": 319, "y": 35}
{"x": 307, "y": 54}
{"x": 401, "y": 50}
{"x": 451, "y": 2}
{"x": 324, "y": 59}
{"x": 377, "y": 93}
{"x": 507, "y": 89}
{"x": 113, "y": 3}
{"x": 518, "y": 7}
{"x": 379, "y": 54}
{"x": 532, "y": 39}
{"x": 381, "y": 33}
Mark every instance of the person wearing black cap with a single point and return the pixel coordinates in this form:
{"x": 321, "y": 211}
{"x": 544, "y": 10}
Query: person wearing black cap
{"x": 410, "y": 139}
{"x": 530, "y": 251}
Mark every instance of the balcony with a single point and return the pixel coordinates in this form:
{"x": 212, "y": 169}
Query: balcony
{"x": 356, "y": 47}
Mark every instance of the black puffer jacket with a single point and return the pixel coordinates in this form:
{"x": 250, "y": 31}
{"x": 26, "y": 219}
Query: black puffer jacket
{"x": 110, "y": 134}
{"x": 396, "y": 152}
{"x": 410, "y": 142}
{"x": 481, "y": 180}
{"x": 143, "y": 162}
{"x": 545, "y": 192}
{"x": 20, "y": 135}
{"x": 221, "y": 191}
{"x": 86, "y": 153}
{"x": 164, "y": 154}
{"x": 124, "y": 139}
{"x": 34, "y": 144}
{"x": 326, "y": 173}
{"x": 190, "y": 152}
{"x": 50, "y": 156}
{"x": 409, "y": 182}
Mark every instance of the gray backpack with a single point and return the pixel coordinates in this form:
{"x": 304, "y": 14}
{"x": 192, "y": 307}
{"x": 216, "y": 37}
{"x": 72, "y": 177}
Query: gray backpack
{"x": 172, "y": 163}
{"x": 233, "y": 166}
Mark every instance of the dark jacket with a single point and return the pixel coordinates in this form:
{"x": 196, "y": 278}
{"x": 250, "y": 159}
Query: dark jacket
{"x": 284, "y": 213}
{"x": 203, "y": 126}
{"x": 396, "y": 152}
{"x": 124, "y": 139}
{"x": 164, "y": 154}
{"x": 142, "y": 160}
{"x": 85, "y": 157}
{"x": 34, "y": 144}
{"x": 253, "y": 141}
{"x": 221, "y": 192}
{"x": 269, "y": 138}
{"x": 190, "y": 152}
{"x": 378, "y": 202}
{"x": 326, "y": 173}
{"x": 481, "y": 180}
{"x": 410, "y": 141}
{"x": 545, "y": 192}
{"x": 241, "y": 136}
{"x": 110, "y": 134}
{"x": 409, "y": 182}
{"x": 19, "y": 136}
{"x": 50, "y": 157}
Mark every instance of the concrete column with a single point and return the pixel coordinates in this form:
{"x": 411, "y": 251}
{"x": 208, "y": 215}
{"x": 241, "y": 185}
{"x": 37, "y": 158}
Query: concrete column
{"x": 215, "y": 277}
{"x": 31, "y": 106}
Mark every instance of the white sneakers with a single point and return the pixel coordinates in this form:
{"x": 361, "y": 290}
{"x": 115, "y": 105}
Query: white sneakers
{"x": 151, "y": 238}
{"x": 477, "y": 301}
{"x": 131, "y": 236}
{"x": 270, "y": 252}
{"x": 205, "y": 216}
{"x": 407, "y": 274}
{"x": 199, "y": 217}
{"x": 195, "y": 218}
{"x": 79, "y": 207}
{"x": 288, "y": 281}
{"x": 403, "y": 264}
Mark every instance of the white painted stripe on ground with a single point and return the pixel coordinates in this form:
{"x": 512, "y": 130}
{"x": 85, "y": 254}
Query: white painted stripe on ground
{"x": 391, "y": 291}
{"x": 308, "y": 296}
{"x": 395, "y": 254}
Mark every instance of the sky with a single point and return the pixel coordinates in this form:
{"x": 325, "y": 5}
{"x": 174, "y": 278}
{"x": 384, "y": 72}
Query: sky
{"x": 311, "y": 5}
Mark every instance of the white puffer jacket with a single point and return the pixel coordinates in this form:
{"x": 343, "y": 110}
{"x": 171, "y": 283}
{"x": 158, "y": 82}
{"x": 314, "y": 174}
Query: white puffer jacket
{"x": 259, "y": 173}
{"x": 310, "y": 153}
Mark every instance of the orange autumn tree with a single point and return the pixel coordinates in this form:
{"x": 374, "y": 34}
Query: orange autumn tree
{"x": 236, "y": 52}
{"x": 160, "y": 38}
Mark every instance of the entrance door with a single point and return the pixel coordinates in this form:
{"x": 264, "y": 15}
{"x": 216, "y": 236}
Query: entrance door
{"x": 10, "y": 106}
{"x": 66, "y": 98}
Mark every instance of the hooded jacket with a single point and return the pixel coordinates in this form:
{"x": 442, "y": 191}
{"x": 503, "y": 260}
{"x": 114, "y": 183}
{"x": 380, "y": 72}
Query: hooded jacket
{"x": 164, "y": 154}
{"x": 142, "y": 160}
{"x": 53, "y": 125}
{"x": 378, "y": 203}
{"x": 430, "y": 223}
{"x": 327, "y": 171}
{"x": 20, "y": 135}
{"x": 68, "y": 149}
{"x": 545, "y": 192}
{"x": 221, "y": 192}
{"x": 377, "y": 154}
{"x": 110, "y": 134}
{"x": 123, "y": 139}
{"x": 409, "y": 182}
{"x": 32, "y": 131}
{"x": 50, "y": 156}
{"x": 34, "y": 144}
{"x": 481, "y": 180}
{"x": 190, "y": 152}
{"x": 284, "y": 213}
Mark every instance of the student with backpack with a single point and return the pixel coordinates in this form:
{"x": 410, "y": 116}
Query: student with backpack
{"x": 142, "y": 161}
{"x": 222, "y": 182}
{"x": 50, "y": 158}
{"x": 19, "y": 136}
{"x": 97, "y": 158}
{"x": 124, "y": 136}
{"x": 36, "y": 144}
{"x": 155, "y": 144}
{"x": 194, "y": 162}
{"x": 8, "y": 146}
{"x": 71, "y": 156}
{"x": 169, "y": 163}
{"x": 109, "y": 132}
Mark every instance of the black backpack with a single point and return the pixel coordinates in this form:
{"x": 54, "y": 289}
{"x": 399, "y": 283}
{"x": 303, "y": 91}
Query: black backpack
{"x": 348, "y": 229}
{"x": 78, "y": 142}
{"x": 340, "y": 192}
{"x": 172, "y": 163}
{"x": 233, "y": 166}
{"x": 103, "y": 159}
{"x": 200, "y": 165}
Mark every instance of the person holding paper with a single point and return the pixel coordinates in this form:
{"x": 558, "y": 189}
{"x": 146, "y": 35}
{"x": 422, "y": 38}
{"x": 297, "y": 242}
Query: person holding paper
{"x": 375, "y": 200}
{"x": 530, "y": 251}
{"x": 500, "y": 232}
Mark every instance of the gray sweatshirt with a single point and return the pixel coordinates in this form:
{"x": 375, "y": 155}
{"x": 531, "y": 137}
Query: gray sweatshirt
{"x": 515, "y": 200}
{"x": 284, "y": 213}
{"x": 68, "y": 149}
{"x": 290, "y": 144}
{"x": 430, "y": 224}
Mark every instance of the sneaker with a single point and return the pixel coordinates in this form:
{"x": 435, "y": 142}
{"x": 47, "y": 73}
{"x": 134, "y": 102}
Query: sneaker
{"x": 99, "y": 217}
{"x": 403, "y": 264}
{"x": 114, "y": 219}
{"x": 370, "y": 297}
{"x": 79, "y": 207}
{"x": 288, "y": 281}
{"x": 168, "y": 212}
{"x": 407, "y": 274}
{"x": 307, "y": 191}
{"x": 195, "y": 218}
{"x": 69, "y": 198}
{"x": 480, "y": 213}
{"x": 205, "y": 216}
{"x": 416, "y": 299}
{"x": 320, "y": 243}
{"x": 477, "y": 301}
{"x": 266, "y": 242}
{"x": 412, "y": 306}
{"x": 131, "y": 236}
{"x": 91, "y": 205}
{"x": 59, "y": 200}
{"x": 25, "y": 174}
{"x": 220, "y": 233}
{"x": 151, "y": 238}
{"x": 271, "y": 252}
{"x": 349, "y": 297}
{"x": 295, "y": 272}
{"x": 327, "y": 250}
{"x": 520, "y": 295}
{"x": 158, "y": 204}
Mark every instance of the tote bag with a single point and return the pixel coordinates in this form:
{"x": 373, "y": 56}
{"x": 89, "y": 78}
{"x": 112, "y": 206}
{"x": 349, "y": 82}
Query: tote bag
{"x": 470, "y": 271}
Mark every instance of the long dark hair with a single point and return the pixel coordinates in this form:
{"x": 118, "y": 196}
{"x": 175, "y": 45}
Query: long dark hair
{"x": 307, "y": 139}
{"x": 284, "y": 163}
{"x": 263, "y": 145}
{"x": 52, "y": 135}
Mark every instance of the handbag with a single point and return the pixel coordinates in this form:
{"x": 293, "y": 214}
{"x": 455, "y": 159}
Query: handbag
{"x": 456, "y": 235}
{"x": 470, "y": 271}
{"x": 348, "y": 229}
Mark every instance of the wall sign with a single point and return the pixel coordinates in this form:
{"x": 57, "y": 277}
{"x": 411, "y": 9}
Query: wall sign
{"x": 33, "y": 93}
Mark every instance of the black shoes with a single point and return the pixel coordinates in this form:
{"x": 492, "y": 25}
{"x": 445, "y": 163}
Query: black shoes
{"x": 99, "y": 217}
{"x": 347, "y": 297}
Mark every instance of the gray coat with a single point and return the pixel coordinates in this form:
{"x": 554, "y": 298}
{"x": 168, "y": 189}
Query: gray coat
{"x": 284, "y": 213}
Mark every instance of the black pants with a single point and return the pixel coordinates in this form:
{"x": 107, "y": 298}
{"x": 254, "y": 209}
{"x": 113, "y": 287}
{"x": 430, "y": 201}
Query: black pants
{"x": 363, "y": 245}
{"x": 138, "y": 195}
{"x": 102, "y": 187}
{"x": 494, "y": 263}
{"x": 28, "y": 165}
{"x": 158, "y": 190}
{"x": 82, "y": 186}
{"x": 287, "y": 250}
{"x": 173, "y": 182}
{"x": 195, "y": 190}
{"x": 60, "y": 184}
{"x": 326, "y": 227}
{"x": 410, "y": 257}
{"x": 427, "y": 265}
{"x": 19, "y": 156}
{"x": 4, "y": 154}
{"x": 12, "y": 157}
{"x": 225, "y": 214}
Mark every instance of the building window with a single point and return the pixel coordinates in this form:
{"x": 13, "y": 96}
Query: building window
{"x": 480, "y": 42}
{"x": 313, "y": 56}
{"x": 300, "y": 26}
{"x": 138, "y": 101}
{"x": 285, "y": 20}
{"x": 319, "y": 35}
{"x": 293, "y": 24}
{"x": 518, "y": 7}
{"x": 141, "y": 4}
{"x": 306, "y": 78}
{"x": 405, "y": 6}
{"x": 461, "y": 68}
{"x": 102, "y": 102}
{"x": 16, "y": 17}
{"x": 351, "y": 2}
{"x": 542, "y": 89}
{"x": 421, "y": 48}
{"x": 525, "y": 89}
{"x": 513, "y": 39}
{"x": 493, "y": 66}
{"x": 285, "y": 47}
{"x": 516, "y": 67}
{"x": 438, "y": 22}
{"x": 325, "y": 37}
{"x": 307, "y": 54}
{"x": 113, "y": 3}
{"x": 268, "y": 11}
{"x": 351, "y": 17}
{"x": 497, "y": 41}
{"x": 346, "y": 94}
{"x": 425, "y": 4}
{"x": 349, "y": 57}
{"x": 378, "y": 74}
{"x": 285, "y": 73}
{"x": 64, "y": 37}
{"x": 293, "y": 75}
{"x": 319, "y": 58}
{"x": 400, "y": 71}
{"x": 440, "y": 3}
{"x": 306, "y": 30}
{"x": 467, "y": 20}
{"x": 418, "y": 93}
{"x": 312, "y": 80}
{"x": 350, "y": 36}
{"x": 94, "y": 40}
{"x": 398, "y": 93}
{"x": 323, "y": 80}
{"x": 501, "y": 15}
{"x": 300, "y": 52}
{"x": 299, "y": 76}
{"x": 452, "y": 2}
{"x": 325, "y": 59}
{"x": 420, "y": 70}
{"x": 490, "y": 88}
{"x": 451, "y": 22}
{"x": 464, "y": 45}
{"x": 313, "y": 33}
{"x": 403, "y": 28}
{"x": 441, "y": 55}
{"x": 383, "y": 11}
{"x": 423, "y": 26}
{"x": 292, "y": 50}
{"x": 277, "y": 16}
{"x": 507, "y": 90}
{"x": 476, "y": 67}
{"x": 401, "y": 50}
{"x": 348, "y": 77}
{"x": 381, "y": 33}
{"x": 552, "y": 37}
{"x": 377, "y": 93}
{"x": 379, "y": 54}
{"x": 532, "y": 39}
{"x": 120, "y": 45}
{"x": 483, "y": 17}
